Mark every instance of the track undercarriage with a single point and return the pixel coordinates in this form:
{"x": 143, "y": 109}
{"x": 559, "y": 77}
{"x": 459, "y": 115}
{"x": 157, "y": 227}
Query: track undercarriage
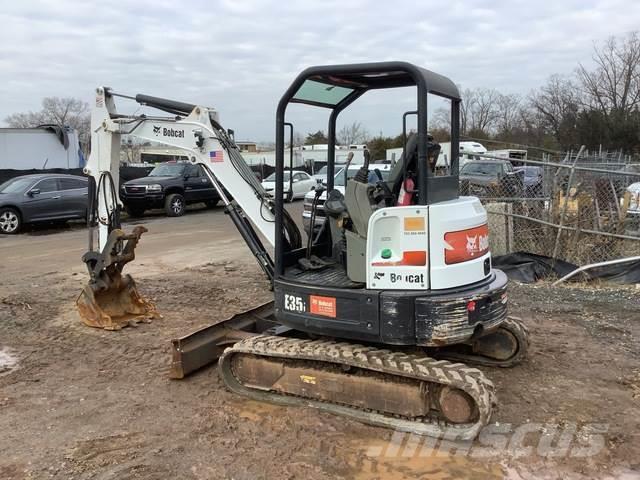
{"x": 414, "y": 390}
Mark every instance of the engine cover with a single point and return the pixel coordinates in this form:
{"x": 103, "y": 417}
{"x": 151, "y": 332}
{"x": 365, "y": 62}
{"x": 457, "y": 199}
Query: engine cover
{"x": 418, "y": 247}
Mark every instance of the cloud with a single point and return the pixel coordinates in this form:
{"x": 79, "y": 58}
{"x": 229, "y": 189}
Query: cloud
{"x": 240, "y": 56}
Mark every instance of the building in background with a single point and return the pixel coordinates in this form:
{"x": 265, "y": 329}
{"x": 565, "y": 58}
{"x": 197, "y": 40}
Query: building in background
{"x": 249, "y": 147}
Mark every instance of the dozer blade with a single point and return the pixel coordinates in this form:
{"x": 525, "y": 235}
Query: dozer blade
{"x": 204, "y": 346}
{"x": 111, "y": 300}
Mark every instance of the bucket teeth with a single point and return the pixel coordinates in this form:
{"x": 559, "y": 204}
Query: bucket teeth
{"x": 111, "y": 300}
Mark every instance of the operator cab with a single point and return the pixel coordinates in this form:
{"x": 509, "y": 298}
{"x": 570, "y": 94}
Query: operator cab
{"x": 338, "y": 251}
{"x": 383, "y": 246}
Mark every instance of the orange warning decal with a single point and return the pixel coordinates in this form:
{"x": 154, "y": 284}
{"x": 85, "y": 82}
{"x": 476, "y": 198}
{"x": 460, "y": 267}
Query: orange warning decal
{"x": 414, "y": 224}
{"x": 465, "y": 245}
{"x": 325, "y": 306}
{"x": 416, "y": 258}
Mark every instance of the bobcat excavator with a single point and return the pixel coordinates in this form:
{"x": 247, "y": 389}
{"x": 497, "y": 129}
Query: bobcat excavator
{"x": 375, "y": 317}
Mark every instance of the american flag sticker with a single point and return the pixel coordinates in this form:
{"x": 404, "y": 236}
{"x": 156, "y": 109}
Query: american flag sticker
{"x": 216, "y": 156}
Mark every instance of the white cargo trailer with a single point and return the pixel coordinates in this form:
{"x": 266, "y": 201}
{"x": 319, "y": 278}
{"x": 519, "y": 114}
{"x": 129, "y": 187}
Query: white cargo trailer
{"x": 468, "y": 151}
{"x": 39, "y": 148}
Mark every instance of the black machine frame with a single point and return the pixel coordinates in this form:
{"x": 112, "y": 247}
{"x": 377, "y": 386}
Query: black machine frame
{"x": 361, "y": 78}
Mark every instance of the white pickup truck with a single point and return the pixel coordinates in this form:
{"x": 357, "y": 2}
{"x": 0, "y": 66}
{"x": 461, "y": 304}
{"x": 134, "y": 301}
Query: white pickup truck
{"x": 339, "y": 184}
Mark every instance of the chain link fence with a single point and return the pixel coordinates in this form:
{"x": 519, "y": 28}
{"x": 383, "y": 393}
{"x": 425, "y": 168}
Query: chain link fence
{"x": 578, "y": 208}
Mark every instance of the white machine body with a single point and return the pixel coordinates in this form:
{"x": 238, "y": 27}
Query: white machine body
{"x": 417, "y": 247}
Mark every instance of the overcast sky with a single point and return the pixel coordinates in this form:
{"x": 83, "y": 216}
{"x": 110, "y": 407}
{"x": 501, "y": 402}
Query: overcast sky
{"x": 240, "y": 56}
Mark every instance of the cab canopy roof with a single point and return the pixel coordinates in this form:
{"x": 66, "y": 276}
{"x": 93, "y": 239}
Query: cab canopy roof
{"x": 334, "y": 86}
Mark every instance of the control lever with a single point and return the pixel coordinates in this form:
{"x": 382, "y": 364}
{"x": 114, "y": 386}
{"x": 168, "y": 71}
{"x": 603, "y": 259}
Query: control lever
{"x": 363, "y": 174}
{"x": 313, "y": 262}
{"x": 382, "y": 185}
{"x": 319, "y": 190}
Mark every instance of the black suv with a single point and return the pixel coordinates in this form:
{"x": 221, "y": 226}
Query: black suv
{"x": 491, "y": 178}
{"x": 171, "y": 186}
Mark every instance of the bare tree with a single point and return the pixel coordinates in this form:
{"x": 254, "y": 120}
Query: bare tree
{"x": 70, "y": 112}
{"x": 354, "y": 133}
{"x": 479, "y": 112}
{"x": 614, "y": 84}
{"x": 557, "y": 103}
{"x": 441, "y": 120}
{"x": 508, "y": 113}
{"x": 465, "y": 107}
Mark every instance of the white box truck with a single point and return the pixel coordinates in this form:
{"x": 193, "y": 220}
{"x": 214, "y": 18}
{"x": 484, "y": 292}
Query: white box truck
{"x": 39, "y": 148}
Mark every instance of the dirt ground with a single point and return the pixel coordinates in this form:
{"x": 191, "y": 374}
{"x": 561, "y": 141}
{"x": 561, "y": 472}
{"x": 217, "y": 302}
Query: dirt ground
{"x": 80, "y": 403}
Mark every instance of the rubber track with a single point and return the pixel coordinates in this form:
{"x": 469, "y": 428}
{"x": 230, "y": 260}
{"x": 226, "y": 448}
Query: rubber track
{"x": 456, "y": 375}
{"x": 512, "y": 324}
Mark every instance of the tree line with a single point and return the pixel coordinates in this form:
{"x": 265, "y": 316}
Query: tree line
{"x": 594, "y": 106}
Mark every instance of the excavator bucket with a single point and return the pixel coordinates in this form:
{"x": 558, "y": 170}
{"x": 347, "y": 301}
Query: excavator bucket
{"x": 111, "y": 300}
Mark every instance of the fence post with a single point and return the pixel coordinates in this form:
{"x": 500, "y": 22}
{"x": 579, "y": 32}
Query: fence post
{"x": 564, "y": 205}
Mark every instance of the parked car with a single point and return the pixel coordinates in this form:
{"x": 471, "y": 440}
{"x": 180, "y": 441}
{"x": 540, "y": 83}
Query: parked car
{"x": 339, "y": 184}
{"x": 321, "y": 175}
{"x": 300, "y": 184}
{"x": 633, "y": 209}
{"x": 492, "y": 178}
{"x": 532, "y": 178}
{"x": 171, "y": 186}
{"x": 41, "y": 198}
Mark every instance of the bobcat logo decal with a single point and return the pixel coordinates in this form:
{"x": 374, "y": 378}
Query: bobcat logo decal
{"x": 465, "y": 245}
{"x": 477, "y": 244}
{"x": 156, "y": 129}
{"x": 472, "y": 244}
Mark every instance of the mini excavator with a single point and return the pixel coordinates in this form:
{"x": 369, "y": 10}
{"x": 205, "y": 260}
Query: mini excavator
{"x": 381, "y": 316}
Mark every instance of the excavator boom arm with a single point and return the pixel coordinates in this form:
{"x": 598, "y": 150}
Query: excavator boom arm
{"x": 111, "y": 300}
{"x": 199, "y": 134}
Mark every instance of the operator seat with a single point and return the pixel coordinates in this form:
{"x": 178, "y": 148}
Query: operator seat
{"x": 360, "y": 205}
{"x": 410, "y": 157}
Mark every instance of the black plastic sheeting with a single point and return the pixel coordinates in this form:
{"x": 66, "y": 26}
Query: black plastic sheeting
{"x": 529, "y": 268}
